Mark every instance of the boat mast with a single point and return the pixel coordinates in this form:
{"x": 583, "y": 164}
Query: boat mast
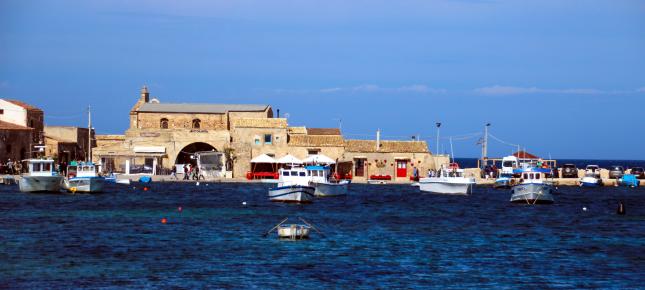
{"x": 89, "y": 134}
{"x": 452, "y": 154}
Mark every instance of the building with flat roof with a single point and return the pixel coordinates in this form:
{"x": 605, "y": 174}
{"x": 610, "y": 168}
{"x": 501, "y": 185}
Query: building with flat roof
{"x": 163, "y": 135}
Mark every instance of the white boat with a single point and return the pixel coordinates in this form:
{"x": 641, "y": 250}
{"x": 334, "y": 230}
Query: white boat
{"x": 82, "y": 177}
{"x": 319, "y": 178}
{"x": 294, "y": 186}
{"x": 41, "y": 177}
{"x": 592, "y": 177}
{"x": 114, "y": 179}
{"x": 533, "y": 187}
{"x": 294, "y": 231}
{"x": 450, "y": 180}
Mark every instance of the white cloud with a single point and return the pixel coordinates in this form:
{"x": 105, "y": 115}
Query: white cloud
{"x": 498, "y": 90}
{"x": 371, "y": 88}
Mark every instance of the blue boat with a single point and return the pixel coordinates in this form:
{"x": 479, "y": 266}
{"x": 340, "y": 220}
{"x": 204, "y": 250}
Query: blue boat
{"x": 629, "y": 180}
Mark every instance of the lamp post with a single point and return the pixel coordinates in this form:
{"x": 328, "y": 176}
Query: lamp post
{"x": 438, "y": 127}
{"x": 485, "y": 146}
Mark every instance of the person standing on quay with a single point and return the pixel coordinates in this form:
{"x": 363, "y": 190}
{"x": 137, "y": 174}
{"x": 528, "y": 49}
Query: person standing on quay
{"x": 185, "y": 171}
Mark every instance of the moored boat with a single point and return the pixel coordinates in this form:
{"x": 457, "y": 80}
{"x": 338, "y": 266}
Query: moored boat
{"x": 40, "y": 177}
{"x": 503, "y": 182}
{"x": 294, "y": 231}
{"x": 449, "y": 180}
{"x": 592, "y": 177}
{"x": 82, "y": 177}
{"x": 533, "y": 188}
{"x": 628, "y": 180}
{"x": 293, "y": 186}
{"x": 319, "y": 178}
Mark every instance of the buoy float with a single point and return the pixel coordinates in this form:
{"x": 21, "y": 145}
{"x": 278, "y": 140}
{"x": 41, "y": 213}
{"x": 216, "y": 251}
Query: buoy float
{"x": 621, "y": 208}
{"x": 145, "y": 188}
{"x": 584, "y": 208}
{"x": 73, "y": 189}
{"x": 244, "y": 203}
{"x": 164, "y": 221}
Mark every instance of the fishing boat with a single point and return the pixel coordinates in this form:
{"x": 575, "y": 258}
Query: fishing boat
{"x": 293, "y": 186}
{"x": 40, "y": 177}
{"x": 503, "y": 182}
{"x": 592, "y": 177}
{"x": 505, "y": 179}
{"x": 628, "y": 180}
{"x": 533, "y": 187}
{"x": 114, "y": 179}
{"x": 319, "y": 178}
{"x": 82, "y": 177}
{"x": 449, "y": 180}
{"x": 294, "y": 231}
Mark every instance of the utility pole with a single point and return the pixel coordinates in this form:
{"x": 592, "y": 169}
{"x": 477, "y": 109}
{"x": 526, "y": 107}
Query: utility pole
{"x": 89, "y": 134}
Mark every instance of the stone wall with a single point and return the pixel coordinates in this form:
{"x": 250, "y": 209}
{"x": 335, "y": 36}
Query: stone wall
{"x": 14, "y": 144}
{"x": 182, "y": 121}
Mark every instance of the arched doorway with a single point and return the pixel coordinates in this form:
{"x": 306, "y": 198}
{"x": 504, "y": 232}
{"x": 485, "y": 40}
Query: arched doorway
{"x": 184, "y": 155}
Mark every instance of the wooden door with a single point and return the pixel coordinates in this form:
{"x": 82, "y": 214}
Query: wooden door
{"x": 359, "y": 167}
{"x": 401, "y": 168}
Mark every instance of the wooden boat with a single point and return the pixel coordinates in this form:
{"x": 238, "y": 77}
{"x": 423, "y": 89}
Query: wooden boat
{"x": 294, "y": 231}
{"x": 533, "y": 188}
{"x": 40, "y": 177}
{"x": 82, "y": 177}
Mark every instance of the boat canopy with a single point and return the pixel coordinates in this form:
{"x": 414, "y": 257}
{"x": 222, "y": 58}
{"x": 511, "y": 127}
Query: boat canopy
{"x": 289, "y": 159}
{"x": 319, "y": 159}
{"x": 317, "y": 167}
{"x": 263, "y": 159}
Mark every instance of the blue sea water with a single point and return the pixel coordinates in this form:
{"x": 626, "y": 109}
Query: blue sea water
{"x": 377, "y": 237}
{"x": 579, "y": 163}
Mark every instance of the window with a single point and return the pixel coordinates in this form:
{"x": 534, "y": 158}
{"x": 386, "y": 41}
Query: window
{"x": 1, "y": 111}
{"x": 196, "y": 123}
{"x": 315, "y": 173}
{"x": 285, "y": 173}
{"x": 268, "y": 139}
{"x": 313, "y": 151}
{"x": 164, "y": 123}
{"x": 303, "y": 174}
{"x": 36, "y": 167}
{"x": 294, "y": 173}
{"x": 537, "y": 176}
{"x": 257, "y": 141}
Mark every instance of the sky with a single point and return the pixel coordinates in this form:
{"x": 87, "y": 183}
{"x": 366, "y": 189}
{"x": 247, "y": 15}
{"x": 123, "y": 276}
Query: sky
{"x": 564, "y": 79}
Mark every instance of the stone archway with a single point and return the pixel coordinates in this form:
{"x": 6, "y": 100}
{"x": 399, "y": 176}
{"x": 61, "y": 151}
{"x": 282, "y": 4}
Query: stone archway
{"x": 183, "y": 157}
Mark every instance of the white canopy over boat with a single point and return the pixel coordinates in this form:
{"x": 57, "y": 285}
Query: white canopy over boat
{"x": 289, "y": 159}
{"x": 263, "y": 159}
{"x": 319, "y": 159}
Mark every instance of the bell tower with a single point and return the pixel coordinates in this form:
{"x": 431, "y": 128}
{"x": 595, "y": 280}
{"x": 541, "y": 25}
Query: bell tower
{"x": 144, "y": 98}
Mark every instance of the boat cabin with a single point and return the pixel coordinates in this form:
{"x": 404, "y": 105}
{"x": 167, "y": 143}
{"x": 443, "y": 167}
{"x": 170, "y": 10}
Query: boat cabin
{"x": 81, "y": 169}
{"x": 40, "y": 167}
{"x": 452, "y": 170}
{"x": 302, "y": 175}
{"x": 532, "y": 175}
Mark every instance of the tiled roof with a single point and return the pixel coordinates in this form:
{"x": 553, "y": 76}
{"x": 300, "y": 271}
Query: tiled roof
{"x": 24, "y": 105}
{"x": 525, "y": 155}
{"x": 260, "y": 123}
{"x": 367, "y": 146}
{"x": 296, "y": 130}
{"x": 316, "y": 141}
{"x": 323, "y": 131}
{"x": 11, "y": 126}
{"x": 200, "y": 108}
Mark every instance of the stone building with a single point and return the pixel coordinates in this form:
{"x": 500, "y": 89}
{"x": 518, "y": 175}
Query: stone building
{"x": 17, "y": 118}
{"x": 66, "y": 143}
{"x": 162, "y": 135}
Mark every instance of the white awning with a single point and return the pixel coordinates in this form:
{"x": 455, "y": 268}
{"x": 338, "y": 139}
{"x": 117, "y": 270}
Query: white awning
{"x": 289, "y": 159}
{"x": 263, "y": 159}
{"x": 149, "y": 149}
{"x": 319, "y": 159}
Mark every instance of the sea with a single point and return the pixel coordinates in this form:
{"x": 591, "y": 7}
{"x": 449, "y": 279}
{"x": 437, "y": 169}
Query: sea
{"x": 378, "y": 236}
{"x": 579, "y": 163}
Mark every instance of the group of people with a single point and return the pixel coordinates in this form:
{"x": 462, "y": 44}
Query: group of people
{"x": 10, "y": 167}
{"x": 190, "y": 172}
{"x": 490, "y": 171}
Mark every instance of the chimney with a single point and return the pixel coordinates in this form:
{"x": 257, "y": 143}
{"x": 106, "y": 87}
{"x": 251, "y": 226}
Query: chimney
{"x": 378, "y": 139}
{"x": 278, "y": 113}
{"x": 145, "y": 95}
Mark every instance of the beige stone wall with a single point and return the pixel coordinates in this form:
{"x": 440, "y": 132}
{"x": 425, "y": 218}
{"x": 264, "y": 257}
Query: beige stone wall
{"x": 385, "y": 163}
{"x": 240, "y": 115}
{"x": 181, "y": 121}
{"x": 246, "y": 147}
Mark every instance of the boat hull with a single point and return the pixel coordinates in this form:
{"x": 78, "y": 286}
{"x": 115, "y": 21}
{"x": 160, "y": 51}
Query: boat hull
{"x": 445, "y": 187}
{"x": 292, "y": 193}
{"x": 590, "y": 182}
{"x": 502, "y": 183}
{"x": 293, "y": 232}
{"x": 331, "y": 189}
{"x": 40, "y": 183}
{"x": 532, "y": 194}
{"x": 81, "y": 184}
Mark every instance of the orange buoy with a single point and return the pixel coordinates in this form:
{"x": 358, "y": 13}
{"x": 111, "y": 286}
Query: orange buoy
{"x": 145, "y": 188}
{"x": 164, "y": 221}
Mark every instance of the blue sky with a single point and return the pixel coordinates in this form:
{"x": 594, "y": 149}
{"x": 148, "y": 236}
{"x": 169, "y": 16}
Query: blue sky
{"x": 560, "y": 78}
